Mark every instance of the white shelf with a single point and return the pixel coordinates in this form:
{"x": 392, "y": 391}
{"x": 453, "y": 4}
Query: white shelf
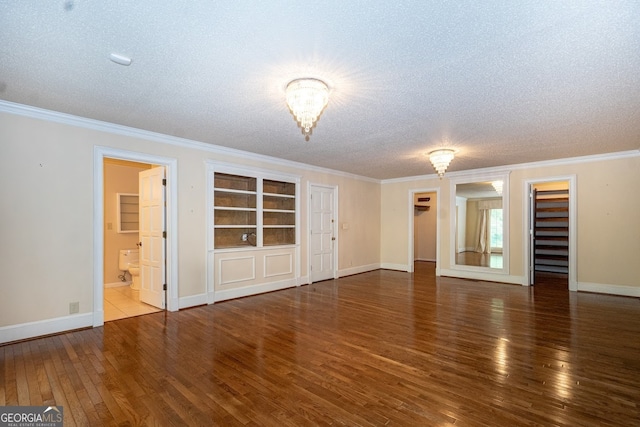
{"x": 226, "y": 208}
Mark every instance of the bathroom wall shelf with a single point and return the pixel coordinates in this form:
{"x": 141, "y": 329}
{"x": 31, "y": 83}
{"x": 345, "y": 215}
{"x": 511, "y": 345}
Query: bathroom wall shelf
{"x": 128, "y": 213}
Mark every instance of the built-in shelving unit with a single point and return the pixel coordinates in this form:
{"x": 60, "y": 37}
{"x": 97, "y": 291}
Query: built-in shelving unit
{"x": 252, "y": 211}
{"x": 253, "y": 221}
{"x": 278, "y": 212}
{"x": 235, "y": 210}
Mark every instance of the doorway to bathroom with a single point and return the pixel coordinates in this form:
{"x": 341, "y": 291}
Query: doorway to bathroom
{"x": 122, "y": 239}
{"x": 135, "y": 214}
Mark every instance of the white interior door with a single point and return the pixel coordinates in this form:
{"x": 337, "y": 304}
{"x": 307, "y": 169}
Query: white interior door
{"x": 152, "y": 243}
{"x": 322, "y": 239}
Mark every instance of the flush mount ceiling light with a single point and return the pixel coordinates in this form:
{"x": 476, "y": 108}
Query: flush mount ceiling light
{"x": 440, "y": 160}
{"x": 307, "y": 99}
{"x": 497, "y": 185}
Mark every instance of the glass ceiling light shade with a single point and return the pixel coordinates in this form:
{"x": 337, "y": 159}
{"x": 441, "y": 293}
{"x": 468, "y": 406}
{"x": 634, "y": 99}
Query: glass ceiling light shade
{"x": 307, "y": 99}
{"x": 440, "y": 160}
{"x": 497, "y": 185}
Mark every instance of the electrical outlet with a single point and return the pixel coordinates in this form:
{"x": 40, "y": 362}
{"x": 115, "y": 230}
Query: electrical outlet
{"x": 109, "y": 226}
{"x": 74, "y": 307}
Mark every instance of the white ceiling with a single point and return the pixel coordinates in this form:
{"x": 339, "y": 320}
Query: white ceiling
{"x": 501, "y": 82}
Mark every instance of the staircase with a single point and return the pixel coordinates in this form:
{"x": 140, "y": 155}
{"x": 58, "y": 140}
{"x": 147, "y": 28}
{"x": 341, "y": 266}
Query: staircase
{"x": 551, "y": 231}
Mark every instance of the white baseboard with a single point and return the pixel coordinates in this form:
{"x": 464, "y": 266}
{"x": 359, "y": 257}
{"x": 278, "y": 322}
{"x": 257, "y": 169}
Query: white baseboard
{"x": 357, "y": 270}
{"x": 603, "y": 288}
{"x": 226, "y": 294}
{"x": 192, "y": 301}
{"x": 116, "y": 284}
{"x": 28, "y": 330}
{"x": 302, "y": 280}
{"x": 390, "y": 266}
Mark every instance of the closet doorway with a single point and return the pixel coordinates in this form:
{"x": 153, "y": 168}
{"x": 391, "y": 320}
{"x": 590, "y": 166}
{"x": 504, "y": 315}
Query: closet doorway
{"x": 551, "y": 233}
{"x": 424, "y": 233}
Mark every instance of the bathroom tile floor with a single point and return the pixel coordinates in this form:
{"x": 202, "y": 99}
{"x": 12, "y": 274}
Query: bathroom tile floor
{"x": 122, "y": 301}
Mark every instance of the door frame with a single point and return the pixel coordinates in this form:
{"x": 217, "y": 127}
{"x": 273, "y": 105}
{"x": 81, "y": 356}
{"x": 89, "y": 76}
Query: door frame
{"x": 573, "y": 231}
{"x": 171, "y": 259}
{"x": 334, "y": 188}
{"x": 410, "y": 229}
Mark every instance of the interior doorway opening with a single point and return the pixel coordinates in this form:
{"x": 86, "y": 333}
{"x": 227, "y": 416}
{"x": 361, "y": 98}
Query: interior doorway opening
{"x": 122, "y": 239}
{"x": 424, "y": 234}
{"x": 169, "y": 234}
{"x": 551, "y": 233}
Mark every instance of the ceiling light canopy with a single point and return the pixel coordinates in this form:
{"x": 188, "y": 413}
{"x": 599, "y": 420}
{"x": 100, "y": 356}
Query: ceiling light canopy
{"x": 307, "y": 99}
{"x": 440, "y": 160}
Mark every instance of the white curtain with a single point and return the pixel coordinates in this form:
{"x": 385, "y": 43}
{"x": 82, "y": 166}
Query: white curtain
{"x": 483, "y": 245}
{"x": 483, "y": 242}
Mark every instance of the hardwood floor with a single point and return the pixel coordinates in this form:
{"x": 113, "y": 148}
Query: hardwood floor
{"x": 475, "y": 259}
{"x": 379, "y": 348}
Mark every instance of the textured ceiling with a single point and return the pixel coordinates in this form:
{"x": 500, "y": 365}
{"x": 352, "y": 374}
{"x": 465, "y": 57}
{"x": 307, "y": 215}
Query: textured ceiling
{"x": 500, "y": 82}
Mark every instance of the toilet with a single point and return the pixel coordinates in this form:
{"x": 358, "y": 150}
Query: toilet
{"x": 128, "y": 261}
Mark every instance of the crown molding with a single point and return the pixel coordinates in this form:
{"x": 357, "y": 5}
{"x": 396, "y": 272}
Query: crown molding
{"x": 84, "y": 122}
{"x": 509, "y": 168}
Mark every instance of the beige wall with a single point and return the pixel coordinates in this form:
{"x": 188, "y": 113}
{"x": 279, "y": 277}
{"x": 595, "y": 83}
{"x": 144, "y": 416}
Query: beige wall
{"x": 608, "y": 229}
{"x": 47, "y": 214}
{"x": 394, "y": 218}
{"x": 47, "y": 222}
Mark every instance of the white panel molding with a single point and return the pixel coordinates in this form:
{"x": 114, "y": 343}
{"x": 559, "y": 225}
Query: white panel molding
{"x": 250, "y": 276}
{"x": 357, "y": 270}
{"x": 227, "y": 294}
{"x": 603, "y": 288}
{"x": 39, "y": 328}
{"x": 289, "y": 256}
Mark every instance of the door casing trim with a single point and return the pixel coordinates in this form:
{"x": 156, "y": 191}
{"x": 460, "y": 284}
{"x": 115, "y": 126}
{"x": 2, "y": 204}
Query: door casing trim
{"x": 171, "y": 166}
